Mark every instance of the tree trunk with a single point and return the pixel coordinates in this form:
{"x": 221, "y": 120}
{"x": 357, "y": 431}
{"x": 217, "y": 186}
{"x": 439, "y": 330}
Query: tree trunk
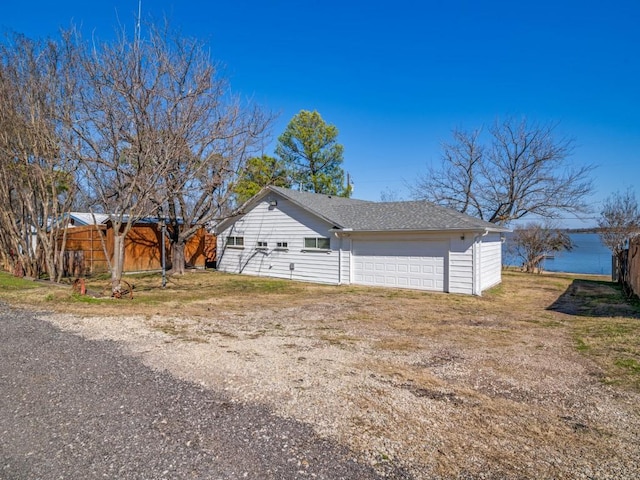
{"x": 178, "y": 257}
{"x": 117, "y": 262}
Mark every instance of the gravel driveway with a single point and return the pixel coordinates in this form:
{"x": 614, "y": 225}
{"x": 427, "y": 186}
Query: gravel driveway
{"x": 311, "y": 381}
{"x": 74, "y": 408}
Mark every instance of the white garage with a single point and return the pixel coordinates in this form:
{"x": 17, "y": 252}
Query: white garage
{"x": 319, "y": 238}
{"x": 405, "y": 264}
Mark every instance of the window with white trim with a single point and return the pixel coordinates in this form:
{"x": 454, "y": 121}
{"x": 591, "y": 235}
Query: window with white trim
{"x": 282, "y": 245}
{"x": 235, "y": 242}
{"x": 317, "y": 243}
{"x": 262, "y": 245}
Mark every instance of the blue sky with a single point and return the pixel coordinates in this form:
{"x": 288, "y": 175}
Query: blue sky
{"x": 396, "y": 77}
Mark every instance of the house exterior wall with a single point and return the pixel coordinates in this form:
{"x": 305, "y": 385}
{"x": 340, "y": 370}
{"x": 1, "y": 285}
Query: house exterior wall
{"x": 469, "y": 262}
{"x": 490, "y": 261}
{"x": 285, "y": 222}
{"x": 461, "y": 269}
{"x": 346, "y": 260}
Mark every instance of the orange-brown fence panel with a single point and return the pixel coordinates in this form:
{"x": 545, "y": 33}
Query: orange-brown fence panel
{"x": 84, "y": 251}
{"x": 633, "y": 260}
{"x": 88, "y": 247}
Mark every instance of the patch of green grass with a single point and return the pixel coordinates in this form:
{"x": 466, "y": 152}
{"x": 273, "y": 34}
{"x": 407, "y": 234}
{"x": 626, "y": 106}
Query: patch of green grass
{"x": 581, "y": 346}
{"x": 75, "y": 297}
{"x": 248, "y": 285}
{"x": 9, "y": 282}
{"x": 613, "y": 329}
{"x": 630, "y": 364}
{"x": 139, "y": 299}
{"x": 494, "y": 291}
{"x": 612, "y": 343}
{"x": 383, "y": 457}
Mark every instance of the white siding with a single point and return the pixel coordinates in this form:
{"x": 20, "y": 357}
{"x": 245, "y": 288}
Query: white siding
{"x": 420, "y": 260}
{"x": 285, "y": 222}
{"x": 345, "y": 260}
{"x": 461, "y": 265}
{"x": 491, "y": 261}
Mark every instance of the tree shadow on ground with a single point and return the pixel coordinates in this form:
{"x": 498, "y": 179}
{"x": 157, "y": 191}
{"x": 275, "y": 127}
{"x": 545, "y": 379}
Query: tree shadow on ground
{"x": 594, "y": 298}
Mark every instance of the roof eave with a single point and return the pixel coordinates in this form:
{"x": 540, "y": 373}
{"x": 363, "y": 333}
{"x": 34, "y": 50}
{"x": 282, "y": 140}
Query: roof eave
{"x": 240, "y": 211}
{"x": 305, "y": 207}
{"x": 425, "y": 230}
{"x": 252, "y": 202}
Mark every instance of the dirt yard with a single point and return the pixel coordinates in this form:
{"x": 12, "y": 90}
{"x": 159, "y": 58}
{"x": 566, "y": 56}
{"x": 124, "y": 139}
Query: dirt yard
{"x": 539, "y": 378}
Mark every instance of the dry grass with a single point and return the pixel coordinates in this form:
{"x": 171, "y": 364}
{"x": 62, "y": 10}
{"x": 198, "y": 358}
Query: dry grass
{"x": 538, "y": 378}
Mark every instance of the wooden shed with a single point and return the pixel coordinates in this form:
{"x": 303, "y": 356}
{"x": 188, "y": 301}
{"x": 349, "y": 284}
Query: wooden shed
{"x": 88, "y": 247}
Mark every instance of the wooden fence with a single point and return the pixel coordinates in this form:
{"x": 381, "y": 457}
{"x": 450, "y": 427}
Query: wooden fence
{"x": 633, "y": 265}
{"x": 84, "y": 252}
{"x": 88, "y": 247}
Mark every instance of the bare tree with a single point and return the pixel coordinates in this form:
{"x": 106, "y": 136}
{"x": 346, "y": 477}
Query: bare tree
{"x": 455, "y": 184}
{"x": 390, "y": 195}
{"x": 207, "y": 135}
{"x": 534, "y": 241}
{"x": 119, "y": 130}
{"x": 523, "y": 171}
{"x": 159, "y": 135}
{"x": 619, "y": 222}
{"x": 37, "y": 174}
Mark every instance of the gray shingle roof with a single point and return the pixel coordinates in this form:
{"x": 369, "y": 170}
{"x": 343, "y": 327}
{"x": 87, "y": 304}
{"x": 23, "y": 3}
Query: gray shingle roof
{"x": 362, "y": 215}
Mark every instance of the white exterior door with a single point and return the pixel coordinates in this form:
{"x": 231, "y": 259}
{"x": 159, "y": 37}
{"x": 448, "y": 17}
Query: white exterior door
{"x": 399, "y": 263}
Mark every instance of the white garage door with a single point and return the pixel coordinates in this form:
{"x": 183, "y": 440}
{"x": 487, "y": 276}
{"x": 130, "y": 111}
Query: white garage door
{"x": 405, "y": 264}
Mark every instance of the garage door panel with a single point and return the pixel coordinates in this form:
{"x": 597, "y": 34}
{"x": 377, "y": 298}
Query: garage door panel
{"x": 408, "y": 264}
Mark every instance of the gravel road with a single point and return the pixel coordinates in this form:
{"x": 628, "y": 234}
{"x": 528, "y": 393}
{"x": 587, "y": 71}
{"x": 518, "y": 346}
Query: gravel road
{"x": 74, "y": 408}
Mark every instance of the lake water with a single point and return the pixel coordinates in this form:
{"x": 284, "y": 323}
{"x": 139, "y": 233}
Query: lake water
{"x": 589, "y": 255}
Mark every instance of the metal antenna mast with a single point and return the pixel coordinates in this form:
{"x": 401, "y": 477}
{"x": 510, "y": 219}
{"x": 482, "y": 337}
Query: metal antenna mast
{"x": 139, "y": 15}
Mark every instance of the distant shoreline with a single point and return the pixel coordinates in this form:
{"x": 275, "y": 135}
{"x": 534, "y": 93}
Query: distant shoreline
{"x": 595, "y": 230}
{"x": 582, "y": 230}
{"x": 516, "y": 268}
